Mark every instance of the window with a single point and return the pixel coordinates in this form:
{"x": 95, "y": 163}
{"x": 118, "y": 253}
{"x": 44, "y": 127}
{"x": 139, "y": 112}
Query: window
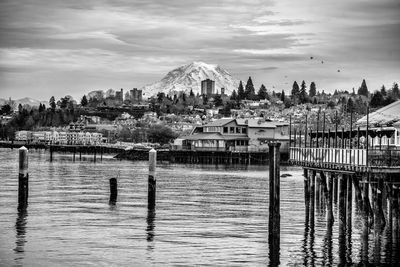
{"x": 238, "y": 130}
{"x": 244, "y": 130}
{"x": 232, "y": 130}
{"x": 225, "y": 129}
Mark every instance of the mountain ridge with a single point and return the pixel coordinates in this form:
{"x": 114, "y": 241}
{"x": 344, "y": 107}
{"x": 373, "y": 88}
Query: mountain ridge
{"x": 188, "y": 77}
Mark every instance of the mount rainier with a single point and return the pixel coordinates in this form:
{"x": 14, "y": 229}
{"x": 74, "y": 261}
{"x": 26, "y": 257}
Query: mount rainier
{"x": 189, "y": 77}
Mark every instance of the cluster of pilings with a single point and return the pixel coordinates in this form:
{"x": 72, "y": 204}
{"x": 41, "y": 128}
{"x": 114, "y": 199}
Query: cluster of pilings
{"x": 376, "y": 200}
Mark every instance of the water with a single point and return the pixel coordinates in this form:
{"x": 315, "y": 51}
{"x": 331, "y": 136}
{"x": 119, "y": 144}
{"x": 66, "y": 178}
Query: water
{"x": 205, "y": 216}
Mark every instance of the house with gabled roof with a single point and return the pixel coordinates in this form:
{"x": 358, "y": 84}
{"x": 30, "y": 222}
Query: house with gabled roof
{"x": 240, "y": 135}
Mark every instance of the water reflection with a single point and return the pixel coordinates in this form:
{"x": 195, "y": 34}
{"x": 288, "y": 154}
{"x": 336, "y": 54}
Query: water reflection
{"x": 151, "y": 214}
{"x": 20, "y": 228}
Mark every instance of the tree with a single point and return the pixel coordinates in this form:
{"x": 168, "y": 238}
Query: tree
{"x": 6, "y": 109}
{"x": 161, "y": 134}
{"x": 295, "y": 91}
{"x": 383, "y": 91}
{"x": 262, "y": 92}
{"x": 218, "y": 100}
{"x": 283, "y": 96}
{"x": 52, "y": 103}
{"x": 84, "y": 101}
{"x": 303, "y": 92}
{"x": 395, "y": 91}
{"x": 313, "y": 90}
{"x": 234, "y": 96}
{"x": 363, "y": 90}
{"x": 241, "y": 94}
{"x": 191, "y": 94}
{"x": 377, "y": 99}
{"x": 350, "y": 105}
{"x": 249, "y": 91}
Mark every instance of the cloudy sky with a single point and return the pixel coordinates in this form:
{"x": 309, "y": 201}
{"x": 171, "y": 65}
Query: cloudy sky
{"x": 61, "y": 47}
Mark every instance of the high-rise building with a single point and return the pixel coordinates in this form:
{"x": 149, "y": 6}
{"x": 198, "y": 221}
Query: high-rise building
{"x": 119, "y": 95}
{"x": 136, "y": 95}
{"x": 207, "y": 87}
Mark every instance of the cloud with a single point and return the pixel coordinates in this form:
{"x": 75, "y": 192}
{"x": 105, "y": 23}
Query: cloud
{"x": 139, "y": 40}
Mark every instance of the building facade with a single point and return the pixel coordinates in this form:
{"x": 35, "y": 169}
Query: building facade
{"x": 207, "y": 87}
{"x": 60, "y": 137}
{"x": 246, "y": 135}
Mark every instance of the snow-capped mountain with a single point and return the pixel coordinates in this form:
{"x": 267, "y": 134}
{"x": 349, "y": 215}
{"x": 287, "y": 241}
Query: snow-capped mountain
{"x": 26, "y": 101}
{"x": 189, "y": 77}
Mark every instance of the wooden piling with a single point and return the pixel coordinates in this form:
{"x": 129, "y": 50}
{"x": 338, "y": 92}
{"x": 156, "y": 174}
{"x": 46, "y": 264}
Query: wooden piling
{"x": 51, "y": 153}
{"x": 312, "y": 197}
{"x": 327, "y": 198}
{"x": 274, "y": 204}
{"x": 318, "y": 193}
{"x": 349, "y": 202}
{"x": 151, "y": 197}
{"x": 113, "y": 191}
{"x": 94, "y": 154}
{"x": 342, "y": 202}
{"x": 23, "y": 179}
{"x": 73, "y": 158}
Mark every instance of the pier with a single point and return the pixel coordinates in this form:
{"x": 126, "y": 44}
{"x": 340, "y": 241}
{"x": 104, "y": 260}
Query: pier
{"x": 346, "y": 170}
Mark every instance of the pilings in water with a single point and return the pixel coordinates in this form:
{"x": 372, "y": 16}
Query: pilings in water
{"x": 113, "y": 191}
{"x": 274, "y": 203}
{"x": 376, "y": 212}
{"x": 23, "y": 179}
{"x": 151, "y": 198}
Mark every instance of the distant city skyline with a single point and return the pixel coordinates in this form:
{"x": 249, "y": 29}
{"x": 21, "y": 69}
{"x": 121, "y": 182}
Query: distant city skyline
{"x": 73, "y": 47}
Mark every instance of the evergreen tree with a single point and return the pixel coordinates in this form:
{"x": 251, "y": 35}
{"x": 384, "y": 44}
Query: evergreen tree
{"x": 350, "y": 105}
{"x": 313, "y": 89}
{"x": 383, "y": 91}
{"x": 52, "y": 103}
{"x": 363, "y": 90}
{"x": 283, "y": 96}
{"x": 84, "y": 101}
{"x": 303, "y": 92}
{"x": 295, "y": 90}
{"x": 234, "y": 96}
{"x": 218, "y": 100}
{"x": 377, "y": 99}
{"x": 191, "y": 94}
{"x": 262, "y": 92}
{"x": 249, "y": 90}
{"x": 395, "y": 91}
{"x": 241, "y": 94}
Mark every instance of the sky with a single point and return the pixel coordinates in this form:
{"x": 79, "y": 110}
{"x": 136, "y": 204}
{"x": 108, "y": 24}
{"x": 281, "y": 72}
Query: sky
{"x": 58, "y": 47}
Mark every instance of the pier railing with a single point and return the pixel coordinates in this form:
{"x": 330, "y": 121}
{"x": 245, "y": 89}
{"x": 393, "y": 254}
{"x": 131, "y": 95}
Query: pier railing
{"x": 355, "y": 157}
{"x": 346, "y": 157}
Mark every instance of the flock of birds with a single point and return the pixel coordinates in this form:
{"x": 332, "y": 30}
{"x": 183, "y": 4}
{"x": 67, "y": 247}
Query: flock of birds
{"x": 311, "y": 58}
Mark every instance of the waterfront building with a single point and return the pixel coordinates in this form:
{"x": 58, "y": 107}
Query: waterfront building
{"x": 384, "y": 126}
{"x": 62, "y": 137}
{"x": 228, "y": 134}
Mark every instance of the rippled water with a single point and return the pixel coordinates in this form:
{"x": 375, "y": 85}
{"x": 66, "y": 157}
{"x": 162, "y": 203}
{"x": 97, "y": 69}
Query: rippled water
{"x": 205, "y": 215}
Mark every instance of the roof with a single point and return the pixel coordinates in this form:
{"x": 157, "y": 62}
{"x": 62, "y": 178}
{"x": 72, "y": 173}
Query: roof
{"x": 220, "y": 122}
{"x": 384, "y": 116}
{"x": 214, "y": 136}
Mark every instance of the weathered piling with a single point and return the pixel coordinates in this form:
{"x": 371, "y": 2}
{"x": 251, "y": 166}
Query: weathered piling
{"x": 51, "y": 153}
{"x": 151, "y": 198}
{"x": 23, "y": 179}
{"x": 342, "y": 218}
{"x": 342, "y": 202}
{"x": 274, "y": 203}
{"x": 312, "y": 197}
{"x": 349, "y": 201}
{"x": 94, "y": 154}
{"x": 113, "y": 191}
{"x": 74, "y": 154}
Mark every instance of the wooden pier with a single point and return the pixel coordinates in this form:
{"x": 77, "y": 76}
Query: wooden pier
{"x": 343, "y": 168}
